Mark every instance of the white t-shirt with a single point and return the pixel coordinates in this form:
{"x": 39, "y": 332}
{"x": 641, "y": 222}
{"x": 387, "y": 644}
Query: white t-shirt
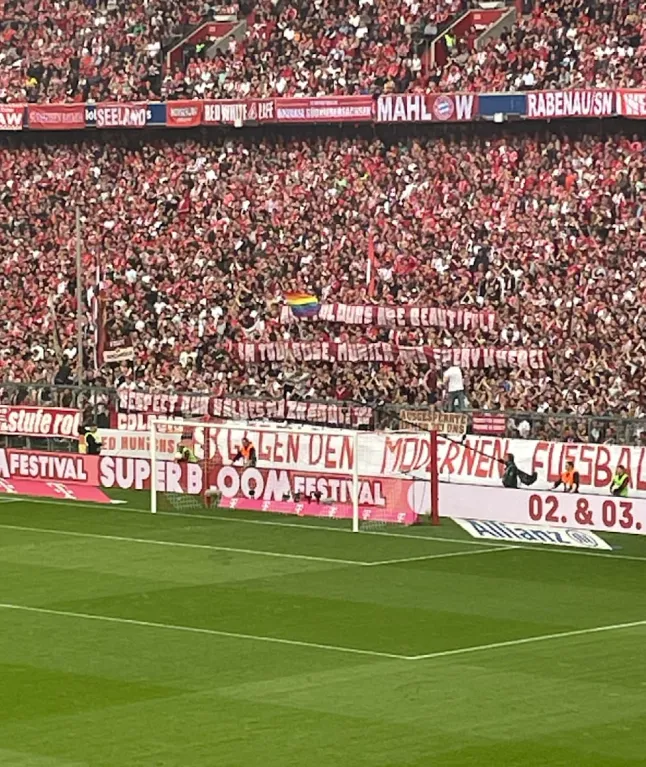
{"x": 453, "y": 379}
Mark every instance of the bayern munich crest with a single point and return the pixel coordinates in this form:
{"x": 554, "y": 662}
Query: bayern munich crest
{"x": 443, "y": 108}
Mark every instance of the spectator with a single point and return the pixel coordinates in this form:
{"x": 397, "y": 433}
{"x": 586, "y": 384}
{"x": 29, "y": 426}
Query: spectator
{"x": 453, "y": 381}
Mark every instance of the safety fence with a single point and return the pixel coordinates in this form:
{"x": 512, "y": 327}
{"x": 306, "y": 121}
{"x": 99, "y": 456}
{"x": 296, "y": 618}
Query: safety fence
{"x": 131, "y": 409}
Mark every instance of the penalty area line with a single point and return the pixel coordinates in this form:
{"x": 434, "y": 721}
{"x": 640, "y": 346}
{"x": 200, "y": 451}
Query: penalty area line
{"x": 196, "y": 630}
{"x": 529, "y": 640}
{"x": 446, "y": 555}
{"x": 182, "y": 545}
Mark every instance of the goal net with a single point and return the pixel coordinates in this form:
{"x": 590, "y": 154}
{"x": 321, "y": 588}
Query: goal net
{"x": 369, "y": 478}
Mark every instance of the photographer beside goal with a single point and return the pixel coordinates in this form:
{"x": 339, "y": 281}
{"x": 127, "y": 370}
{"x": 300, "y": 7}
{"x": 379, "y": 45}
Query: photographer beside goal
{"x": 246, "y": 452}
{"x": 184, "y": 454}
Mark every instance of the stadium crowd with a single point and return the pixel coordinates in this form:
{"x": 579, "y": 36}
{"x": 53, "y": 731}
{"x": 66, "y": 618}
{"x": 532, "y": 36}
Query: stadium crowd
{"x": 78, "y": 50}
{"x": 198, "y": 244}
{"x": 562, "y": 44}
{"x": 312, "y": 48}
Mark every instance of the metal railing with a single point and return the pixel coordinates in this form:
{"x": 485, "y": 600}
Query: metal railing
{"x": 101, "y": 405}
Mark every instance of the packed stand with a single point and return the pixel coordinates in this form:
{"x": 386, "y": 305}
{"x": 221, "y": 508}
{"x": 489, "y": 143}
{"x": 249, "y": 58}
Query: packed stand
{"x": 198, "y": 245}
{"x": 314, "y": 48}
{"x": 562, "y": 44}
{"x": 80, "y": 50}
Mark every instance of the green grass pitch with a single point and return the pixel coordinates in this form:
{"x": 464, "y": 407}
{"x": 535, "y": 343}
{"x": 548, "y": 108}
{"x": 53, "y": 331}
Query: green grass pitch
{"x": 237, "y": 640}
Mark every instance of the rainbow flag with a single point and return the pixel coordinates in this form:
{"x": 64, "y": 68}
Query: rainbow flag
{"x": 303, "y": 304}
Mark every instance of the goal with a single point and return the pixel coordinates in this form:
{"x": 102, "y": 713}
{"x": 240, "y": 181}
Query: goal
{"x": 369, "y": 478}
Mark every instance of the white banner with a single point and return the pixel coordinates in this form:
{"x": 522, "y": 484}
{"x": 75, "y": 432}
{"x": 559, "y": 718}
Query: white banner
{"x": 559, "y": 510}
{"x": 476, "y": 462}
{"x": 397, "y": 316}
{"x": 136, "y": 444}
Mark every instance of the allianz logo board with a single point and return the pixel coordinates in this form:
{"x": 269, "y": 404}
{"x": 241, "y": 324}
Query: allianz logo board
{"x": 542, "y": 534}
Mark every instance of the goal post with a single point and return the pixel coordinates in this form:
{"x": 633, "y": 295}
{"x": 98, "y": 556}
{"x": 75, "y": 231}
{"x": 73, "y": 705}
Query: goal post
{"x": 368, "y": 478}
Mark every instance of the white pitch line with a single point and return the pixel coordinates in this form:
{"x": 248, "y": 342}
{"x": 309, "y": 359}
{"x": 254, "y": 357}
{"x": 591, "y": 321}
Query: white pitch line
{"x": 528, "y": 640}
{"x": 209, "y": 632}
{"x": 317, "y": 646}
{"x": 329, "y": 528}
{"x": 180, "y": 544}
{"x": 241, "y": 521}
{"x": 446, "y": 555}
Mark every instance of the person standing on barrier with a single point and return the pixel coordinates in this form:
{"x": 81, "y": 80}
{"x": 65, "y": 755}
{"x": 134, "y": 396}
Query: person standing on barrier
{"x": 453, "y": 381}
{"x": 619, "y": 483}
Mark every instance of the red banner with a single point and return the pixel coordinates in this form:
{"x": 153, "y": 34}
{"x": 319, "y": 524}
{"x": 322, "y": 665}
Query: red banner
{"x": 184, "y": 114}
{"x": 489, "y": 424}
{"x": 543, "y": 105}
{"x": 238, "y": 111}
{"x": 632, "y": 104}
{"x": 427, "y": 107}
{"x": 138, "y": 407}
{"x": 328, "y": 351}
{"x": 67, "y": 467}
{"x": 12, "y": 116}
{"x": 56, "y": 116}
{"x": 398, "y": 316}
{"x": 40, "y": 421}
{"x": 325, "y": 109}
{"x": 121, "y": 115}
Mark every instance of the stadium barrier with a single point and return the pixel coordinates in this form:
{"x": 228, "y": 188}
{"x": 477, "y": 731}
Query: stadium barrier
{"x": 131, "y": 411}
{"x": 474, "y": 497}
{"x": 386, "y": 109}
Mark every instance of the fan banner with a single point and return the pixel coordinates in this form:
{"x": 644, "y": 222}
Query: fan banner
{"x": 330, "y": 351}
{"x": 427, "y": 107}
{"x": 387, "y": 108}
{"x": 238, "y": 111}
{"x": 137, "y": 408}
{"x": 184, "y": 114}
{"x": 121, "y": 115}
{"x": 398, "y": 316}
{"x": 56, "y": 116}
{"x": 27, "y": 421}
{"x": 12, "y": 117}
{"x": 592, "y": 102}
{"x": 324, "y": 109}
{"x": 632, "y": 104}
{"x": 478, "y": 460}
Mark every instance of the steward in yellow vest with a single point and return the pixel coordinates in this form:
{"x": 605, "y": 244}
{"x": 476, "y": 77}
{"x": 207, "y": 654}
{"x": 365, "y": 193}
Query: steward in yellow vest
{"x": 619, "y": 483}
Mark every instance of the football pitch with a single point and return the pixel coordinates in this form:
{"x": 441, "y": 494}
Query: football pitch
{"x": 230, "y": 639}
